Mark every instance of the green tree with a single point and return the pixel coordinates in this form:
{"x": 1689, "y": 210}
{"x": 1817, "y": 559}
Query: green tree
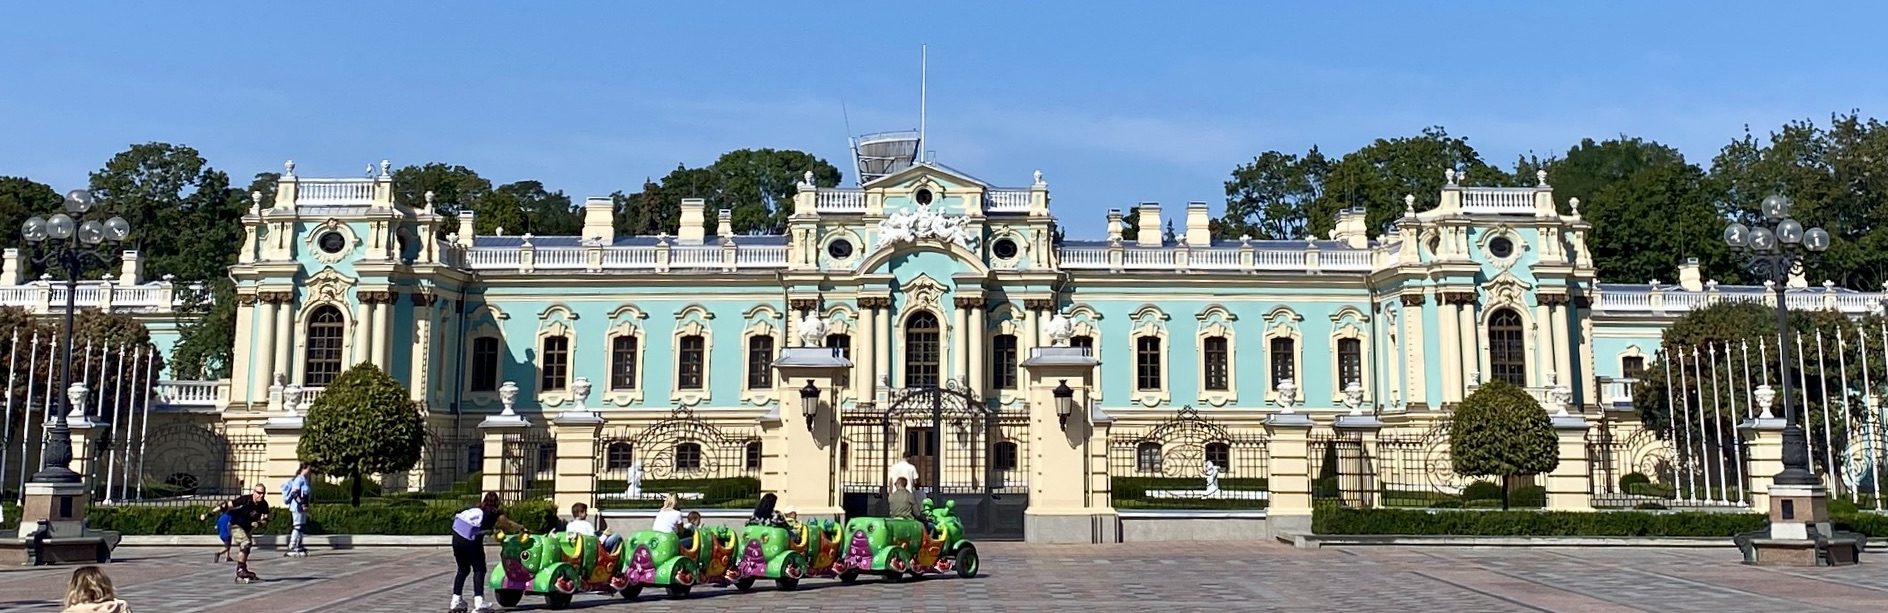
{"x": 526, "y": 207}
{"x": 206, "y": 324}
{"x": 1270, "y": 197}
{"x": 1502, "y": 431}
{"x": 643, "y": 213}
{"x": 21, "y": 198}
{"x": 454, "y": 188}
{"x": 756, "y": 186}
{"x": 185, "y": 219}
{"x": 1836, "y": 178}
{"x": 1130, "y": 226}
{"x": 363, "y": 424}
{"x": 264, "y": 183}
{"x": 1376, "y": 177}
{"x": 1650, "y": 209}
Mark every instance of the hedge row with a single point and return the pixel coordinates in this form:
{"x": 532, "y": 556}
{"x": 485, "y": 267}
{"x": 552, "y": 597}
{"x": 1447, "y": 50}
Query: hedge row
{"x": 1335, "y": 520}
{"x": 414, "y": 517}
{"x": 11, "y": 520}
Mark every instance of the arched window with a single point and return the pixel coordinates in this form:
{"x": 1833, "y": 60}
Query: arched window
{"x": 323, "y": 360}
{"x": 1004, "y": 456}
{"x": 688, "y": 456}
{"x": 1220, "y": 454}
{"x": 1350, "y": 362}
{"x": 1217, "y": 367}
{"x": 1083, "y": 342}
{"x": 1284, "y": 362}
{"x": 618, "y": 456}
{"x": 1147, "y": 457}
{"x": 1507, "y": 349}
{"x": 753, "y": 455}
{"x": 922, "y": 350}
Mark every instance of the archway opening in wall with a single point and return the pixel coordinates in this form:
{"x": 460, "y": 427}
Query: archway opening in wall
{"x": 923, "y": 350}
{"x": 1507, "y": 348}
{"x": 322, "y": 362}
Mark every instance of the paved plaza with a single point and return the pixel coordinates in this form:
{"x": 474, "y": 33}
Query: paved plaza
{"x": 1167, "y": 577}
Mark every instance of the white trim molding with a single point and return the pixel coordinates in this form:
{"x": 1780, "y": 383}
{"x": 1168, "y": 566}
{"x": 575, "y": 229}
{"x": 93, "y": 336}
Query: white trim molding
{"x": 1349, "y": 323}
{"x": 626, "y": 323}
{"x": 1216, "y": 321}
{"x": 760, "y": 322}
{"x": 555, "y": 320}
{"x": 1283, "y": 322}
{"x": 1150, "y": 321}
{"x": 692, "y": 320}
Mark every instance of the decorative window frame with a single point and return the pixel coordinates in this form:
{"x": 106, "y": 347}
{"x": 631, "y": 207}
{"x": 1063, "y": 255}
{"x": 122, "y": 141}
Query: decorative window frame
{"x": 1006, "y": 318}
{"x": 328, "y": 287}
{"x": 1216, "y": 320}
{"x": 1631, "y": 351}
{"x": 485, "y": 320}
{"x": 311, "y": 240}
{"x": 625, "y": 322}
{"x": 556, "y": 320}
{"x": 762, "y": 320}
{"x": 693, "y": 320}
{"x": 1023, "y": 249}
{"x": 1283, "y": 322}
{"x": 1507, "y": 291}
{"x": 1488, "y": 235}
{"x": 1350, "y": 323}
{"x": 859, "y": 248}
{"x": 1150, "y": 321}
{"x": 1429, "y": 241}
{"x": 1087, "y": 322}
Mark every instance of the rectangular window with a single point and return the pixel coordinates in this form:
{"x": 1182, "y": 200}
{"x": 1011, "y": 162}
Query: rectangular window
{"x": 556, "y": 364}
{"x": 1084, "y": 342}
{"x": 760, "y": 362}
{"x": 1147, "y": 363}
{"x": 843, "y": 343}
{"x": 485, "y": 364}
{"x": 689, "y": 363}
{"x": 1003, "y": 362}
{"x": 1284, "y": 362}
{"x": 623, "y": 363}
{"x": 1350, "y": 362}
{"x": 1216, "y": 366}
{"x": 1633, "y": 367}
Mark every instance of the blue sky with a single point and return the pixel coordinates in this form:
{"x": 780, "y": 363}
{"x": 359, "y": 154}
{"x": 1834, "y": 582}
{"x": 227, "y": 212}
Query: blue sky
{"x": 1115, "y": 102}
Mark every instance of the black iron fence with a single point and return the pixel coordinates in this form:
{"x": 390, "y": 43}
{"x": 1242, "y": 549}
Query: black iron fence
{"x": 706, "y": 465}
{"x": 1188, "y": 462}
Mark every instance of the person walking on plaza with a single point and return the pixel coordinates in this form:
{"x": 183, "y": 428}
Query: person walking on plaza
{"x": 222, "y": 532}
{"x": 469, "y": 528}
{"x": 295, "y": 496}
{"x": 907, "y": 470}
{"x": 247, "y": 513}
{"x": 90, "y": 591}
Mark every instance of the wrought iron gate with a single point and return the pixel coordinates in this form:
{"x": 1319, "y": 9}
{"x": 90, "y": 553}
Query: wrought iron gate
{"x": 965, "y": 451}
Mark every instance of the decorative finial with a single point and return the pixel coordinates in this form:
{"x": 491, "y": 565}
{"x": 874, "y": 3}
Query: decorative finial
{"x": 1575, "y": 203}
{"x": 1655, "y": 283}
{"x": 1541, "y": 177}
{"x": 370, "y": 170}
{"x": 386, "y": 169}
{"x": 527, "y": 239}
{"x": 452, "y": 237}
{"x": 1449, "y": 175}
{"x": 1245, "y": 240}
{"x": 1409, "y": 204}
{"x": 807, "y": 178}
{"x": 429, "y": 198}
{"x": 1828, "y": 286}
{"x": 1711, "y": 285}
{"x": 498, "y": 231}
{"x": 662, "y": 238}
{"x": 288, "y": 169}
{"x": 1039, "y": 182}
{"x": 255, "y": 201}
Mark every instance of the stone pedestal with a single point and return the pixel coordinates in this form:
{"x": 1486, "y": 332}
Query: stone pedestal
{"x": 576, "y": 469}
{"x": 1357, "y": 473}
{"x": 58, "y": 508}
{"x": 1063, "y": 506}
{"x": 800, "y": 453}
{"x": 1765, "y": 437}
{"x": 282, "y": 451}
{"x": 85, "y": 433}
{"x": 1288, "y": 455}
{"x": 1800, "y": 533}
{"x": 495, "y": 429}
{"x": 1569, "y": 485}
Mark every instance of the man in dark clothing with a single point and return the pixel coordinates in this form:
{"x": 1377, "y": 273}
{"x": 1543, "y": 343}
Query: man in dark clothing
{"x": 247, "y": 513}
{"x": 904, "y": 504}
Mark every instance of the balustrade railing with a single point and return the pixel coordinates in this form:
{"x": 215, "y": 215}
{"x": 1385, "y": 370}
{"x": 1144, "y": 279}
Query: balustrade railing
{"x": 629, "y": 258}
{"x": 1213, "y": 259}
{"x": 839, "y": 200}
{"x": 190, "y": 393}
{"x": 334, "y": 191}
{"x": 1498, "y": 200}
{"x": 773, "y": 256}
{"x": 1648, "y": 300}
{"x": 705, "y": 256}
{"x": 1269, "y": 260}
{"x": 1007, "y": 201}
{"x": 559, "y": 258}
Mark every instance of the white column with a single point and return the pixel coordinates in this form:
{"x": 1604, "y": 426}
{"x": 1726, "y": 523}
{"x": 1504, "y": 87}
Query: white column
{"x": 422, "y": 359}
{"x": 383, "y": 330}
{"x": 1034, "y": 336}
{"x": 864, "y": 353}
{"x": 882, "y": 350}
{"x": 1557, "y": 337}
{"x": 1542, "y": 345}
{"x": 285, "y": 334}
{"x": 363, "y": 345}
{"x": 1448, "y": 318}
{"x": 1471, "y": 350}
{"x": 1415, "y": 374}
{"x": 265, "y": 340}
{"x": 960, "y": 340}
{"x": 979, "y": 357}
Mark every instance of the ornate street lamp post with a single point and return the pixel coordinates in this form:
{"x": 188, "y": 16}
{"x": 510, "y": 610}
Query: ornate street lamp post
{"x": 70, "y": 244}
{"x": 1773, "y": 253}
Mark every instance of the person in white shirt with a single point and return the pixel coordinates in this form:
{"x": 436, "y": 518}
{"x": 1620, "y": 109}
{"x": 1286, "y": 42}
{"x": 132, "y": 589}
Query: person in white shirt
{"x": 669, "y": 518}
{"x": 906, "y": 470}
{"x": 580, "y": 520}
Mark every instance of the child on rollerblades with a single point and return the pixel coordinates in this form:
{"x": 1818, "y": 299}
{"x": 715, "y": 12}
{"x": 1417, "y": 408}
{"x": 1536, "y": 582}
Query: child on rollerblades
{"x": 247, "y": 514}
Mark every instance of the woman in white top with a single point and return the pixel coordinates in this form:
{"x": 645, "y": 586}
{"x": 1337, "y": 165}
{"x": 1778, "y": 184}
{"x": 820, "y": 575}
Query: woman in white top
{"x": 669, "y": 517}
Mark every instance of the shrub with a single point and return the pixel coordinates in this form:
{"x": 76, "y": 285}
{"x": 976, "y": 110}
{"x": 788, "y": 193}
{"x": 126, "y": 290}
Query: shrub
{"x": 1482, "y": 490}
{"x": 325, "y": 491}
{"x": 1500, "y": 431}
{"x": 11, "y": 521}
{"x": 729, "y": 492}
{"x": 363, "y": 424}
{"x": 1649, "y": 506}
{"x": 1631, "y": 479}
{"x": 405, "y": 517}
{"x": 1531, "y": 523}
{"x": 1531, "y": 496}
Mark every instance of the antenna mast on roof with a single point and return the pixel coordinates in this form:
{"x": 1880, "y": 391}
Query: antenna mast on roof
{"x": 880, "y": 154}
{"x": 923, "y": 82}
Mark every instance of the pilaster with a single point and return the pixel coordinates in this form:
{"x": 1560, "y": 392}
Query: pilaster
{"x": 1066, "y": 502}
{"x": 1765, "y": 436}
{"x": 799, "y": 453}
{"x": 576, "y": 435}
{"x": 1288, "y": 450}
{"x": 1569, "y": 485}
{"x": 495, "y": 430}
{"x": 283, "y": 435}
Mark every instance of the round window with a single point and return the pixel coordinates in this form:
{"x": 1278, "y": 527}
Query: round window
{"x": 839, "y": 249}
{"x": 332, "y": 242}
{"x": 923, "y": 196}
{"x": 1004, "y": 248}
{"x": 1501, "y": 247}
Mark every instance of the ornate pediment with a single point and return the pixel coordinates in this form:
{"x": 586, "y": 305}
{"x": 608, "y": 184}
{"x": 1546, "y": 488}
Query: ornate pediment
{"x": 925, "y": 224}
{"x": 1506, "y": 288}
{"x": 329, "y": 284}
{"x": 925, "y": 292}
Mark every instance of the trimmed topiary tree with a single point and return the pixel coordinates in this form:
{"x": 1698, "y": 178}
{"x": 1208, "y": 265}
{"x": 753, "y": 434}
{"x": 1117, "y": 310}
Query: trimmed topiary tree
{"x": 362, "y": 424}
{"x": 1501, "y": 431}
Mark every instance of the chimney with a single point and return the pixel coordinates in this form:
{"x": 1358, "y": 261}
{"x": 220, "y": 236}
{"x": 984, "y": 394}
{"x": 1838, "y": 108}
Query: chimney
{"x": 599, "y": 220}
{"x": 468, "y": 227}
{"x": 1688, "y": 276}
{"x": 1199, "y": 226}
{"x": 724, "y": 224}
{"x": 1351, "y": 229}
{"x": 1115, "y": 224}
{"x": 1147, "y": 215}
{"x": 690, "y": 233}
{"x": 10, "y": 272}
{"x": 132, "y": 272}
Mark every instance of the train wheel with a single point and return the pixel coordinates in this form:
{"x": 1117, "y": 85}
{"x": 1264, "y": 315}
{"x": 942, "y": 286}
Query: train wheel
{"x": 509, "y": 598}
{"x": 631, "y": 592}
{"x": 744, "y": 583}
{"x": 966, "y": 562}
{"x": 556, "y": 601}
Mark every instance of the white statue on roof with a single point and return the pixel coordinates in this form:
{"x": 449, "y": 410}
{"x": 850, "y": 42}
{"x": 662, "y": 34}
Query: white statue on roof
{"x": 923, "y": 223}
{"x": 1060, "y": 330}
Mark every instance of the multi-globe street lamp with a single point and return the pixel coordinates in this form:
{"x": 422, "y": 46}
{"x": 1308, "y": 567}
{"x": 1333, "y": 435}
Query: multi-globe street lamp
{"x": 1773, "y": 248}
{"x": 69, "y": 243}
